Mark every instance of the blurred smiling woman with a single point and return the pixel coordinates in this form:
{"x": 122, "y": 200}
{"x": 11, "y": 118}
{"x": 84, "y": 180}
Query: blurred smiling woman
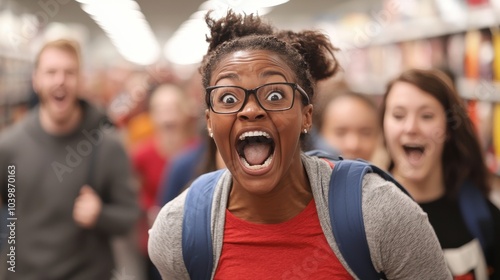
{"x": 269, "y": 212}
{"x": 437, "y": 157}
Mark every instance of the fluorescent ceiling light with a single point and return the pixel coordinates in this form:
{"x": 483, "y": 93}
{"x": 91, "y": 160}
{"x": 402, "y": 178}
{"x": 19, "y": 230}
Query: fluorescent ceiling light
{"x": 127, "y": 28}
{"x": 188, "y": 45}
{"x": 255, "y": 4}
{"x": 220, "y": 7}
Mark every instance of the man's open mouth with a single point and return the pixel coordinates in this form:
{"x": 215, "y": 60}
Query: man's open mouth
{"x": 59, "y": 97}
{"x": 256, "y": 149}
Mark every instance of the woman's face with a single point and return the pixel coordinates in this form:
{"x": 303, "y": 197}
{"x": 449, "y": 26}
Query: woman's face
{"x": 415, "y": 131}
{"x": 259, "y": 147}
{"x": 351, "y": 126}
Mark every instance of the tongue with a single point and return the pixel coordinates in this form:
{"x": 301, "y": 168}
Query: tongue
{"x": 256, "y": 153}
{"x": 414, "y": 155}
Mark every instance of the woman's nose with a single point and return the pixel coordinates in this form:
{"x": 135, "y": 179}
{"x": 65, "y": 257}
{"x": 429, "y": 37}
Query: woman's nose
{"x": 411, "y": 125}
{"x": 252, "y": 110}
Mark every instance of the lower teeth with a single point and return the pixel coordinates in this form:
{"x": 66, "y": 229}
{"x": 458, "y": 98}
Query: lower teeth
{"x": 255, "y": 167}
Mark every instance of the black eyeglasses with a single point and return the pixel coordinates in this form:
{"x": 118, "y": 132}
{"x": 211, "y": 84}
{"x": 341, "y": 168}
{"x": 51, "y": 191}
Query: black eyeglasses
{"x": 271, "y": 97}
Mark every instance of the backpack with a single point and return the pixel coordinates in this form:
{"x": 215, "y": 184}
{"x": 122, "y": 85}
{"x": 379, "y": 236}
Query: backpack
{"x": 346, "y": 217}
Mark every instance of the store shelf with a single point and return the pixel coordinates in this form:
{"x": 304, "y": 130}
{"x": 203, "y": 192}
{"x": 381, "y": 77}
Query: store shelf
{"x": 480, "y": 90}
{"x": 380, "y": 33}
{"x": 15, "y": 55}
{"x": 369, "y": 87}
{"x": 435, "y": 27}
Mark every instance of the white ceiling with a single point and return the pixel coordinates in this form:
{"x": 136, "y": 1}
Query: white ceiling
{"x": 165, "y": 16}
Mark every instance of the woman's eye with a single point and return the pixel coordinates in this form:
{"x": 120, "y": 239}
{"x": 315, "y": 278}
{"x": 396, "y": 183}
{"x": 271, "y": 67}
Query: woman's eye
{"x": 228, "y": 99}
{"x": 398, "y": 116}
{"x": 274, "y": 96}
{"x": 427, "y": 116}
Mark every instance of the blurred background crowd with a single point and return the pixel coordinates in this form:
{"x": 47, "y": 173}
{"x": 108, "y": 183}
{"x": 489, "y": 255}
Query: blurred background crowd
{"x": 153, "y": 94}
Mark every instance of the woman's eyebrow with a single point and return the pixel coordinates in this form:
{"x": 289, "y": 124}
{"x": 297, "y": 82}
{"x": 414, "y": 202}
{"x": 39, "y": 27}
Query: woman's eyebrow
{"x": 272, "y": 73}
{"x": 231, "y": 76}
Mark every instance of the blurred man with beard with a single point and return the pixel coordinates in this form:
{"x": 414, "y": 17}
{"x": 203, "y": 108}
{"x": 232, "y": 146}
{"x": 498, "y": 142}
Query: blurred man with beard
{"x": 73, "y": 187}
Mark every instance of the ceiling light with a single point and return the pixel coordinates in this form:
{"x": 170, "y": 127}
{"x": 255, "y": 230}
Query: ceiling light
{"x": 188, "y": 44}
{"x": 127, "y": 28}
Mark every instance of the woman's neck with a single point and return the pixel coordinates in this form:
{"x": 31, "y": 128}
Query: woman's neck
{"x": 286, "y": 200}
{"x": 426, "y": 189}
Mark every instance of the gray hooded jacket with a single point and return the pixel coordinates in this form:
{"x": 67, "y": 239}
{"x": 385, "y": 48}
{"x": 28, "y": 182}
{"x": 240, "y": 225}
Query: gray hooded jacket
{"x": 402, "y": 242}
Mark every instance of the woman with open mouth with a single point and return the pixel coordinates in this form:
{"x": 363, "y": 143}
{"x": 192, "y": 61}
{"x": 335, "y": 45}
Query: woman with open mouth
{"x": 269, "y": 212}
{"x": 437, "y": 157}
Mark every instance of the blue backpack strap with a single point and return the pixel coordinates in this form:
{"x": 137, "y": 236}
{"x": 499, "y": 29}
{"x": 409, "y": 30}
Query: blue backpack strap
{"x": 197, "y": 248}
{"x": 323, "y": 154}
{"x": 477, "y": 216}
{"x": 346, "y": 214}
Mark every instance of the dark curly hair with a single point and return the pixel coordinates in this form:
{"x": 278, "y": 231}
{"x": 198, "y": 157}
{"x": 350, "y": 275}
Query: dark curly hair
{"x": 309, "y": 54}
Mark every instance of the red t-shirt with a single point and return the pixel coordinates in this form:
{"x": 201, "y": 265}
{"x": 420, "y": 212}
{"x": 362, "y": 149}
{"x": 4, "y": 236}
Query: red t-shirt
{"x": 295, "y": 249}
{"x": 149, "y": 164}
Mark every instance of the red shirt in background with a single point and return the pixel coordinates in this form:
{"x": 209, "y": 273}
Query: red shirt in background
{"x": 149, "y": 165}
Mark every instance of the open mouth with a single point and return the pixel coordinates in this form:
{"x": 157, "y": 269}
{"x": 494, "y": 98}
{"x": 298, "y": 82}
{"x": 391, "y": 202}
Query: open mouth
{"x": 256, "y": 149}
{"x": 59, "y": 97}
{"x": 414, "y": 152}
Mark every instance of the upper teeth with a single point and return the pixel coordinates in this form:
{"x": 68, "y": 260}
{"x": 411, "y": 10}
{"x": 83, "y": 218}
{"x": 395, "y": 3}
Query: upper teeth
{"x": 254, "y": 134}
{"x": 413, "y": 146}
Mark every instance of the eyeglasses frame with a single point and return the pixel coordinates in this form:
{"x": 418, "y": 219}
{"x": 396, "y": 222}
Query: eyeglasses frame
{"x": 248, "y": 92}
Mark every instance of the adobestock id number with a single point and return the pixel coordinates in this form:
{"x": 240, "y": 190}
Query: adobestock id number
{"x": 11, "y": 189}
{"x": 11, "y": 219}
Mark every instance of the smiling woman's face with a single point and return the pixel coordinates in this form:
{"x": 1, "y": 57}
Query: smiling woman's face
{"x": 415, "y": 131}
{"x": 260, "y": 148}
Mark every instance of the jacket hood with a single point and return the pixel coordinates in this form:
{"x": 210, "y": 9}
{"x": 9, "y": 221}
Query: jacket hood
{"x": 92, "y": 118}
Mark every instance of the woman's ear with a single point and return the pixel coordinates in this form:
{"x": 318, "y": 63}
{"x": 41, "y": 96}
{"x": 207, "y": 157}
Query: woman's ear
{"x": 307, "y": 117}
{"x": 209, "y": 123}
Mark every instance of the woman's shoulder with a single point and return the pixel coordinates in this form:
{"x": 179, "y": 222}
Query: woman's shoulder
{"x": 165, "y": 239}
{"x": 401, "y": 239}
{"x": 379, "y": 188}
{"x": 383, "y": 197}
{"x": 386, "y": 208}
{"x": 170, "y": 217}
{"x": 168, "y": 223}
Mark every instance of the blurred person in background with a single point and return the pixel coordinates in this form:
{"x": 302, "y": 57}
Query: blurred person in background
{"x": 177, "y": 177}
{"x": 197, "y": 159}
{"x": 348, "y": 121}
{"x": 74, "y": 187}
{"x": 129, "y": 109}
{"x": 436, "y": 154}
{"x": 103, "y": 83}
{"x": 169, "y": 113}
